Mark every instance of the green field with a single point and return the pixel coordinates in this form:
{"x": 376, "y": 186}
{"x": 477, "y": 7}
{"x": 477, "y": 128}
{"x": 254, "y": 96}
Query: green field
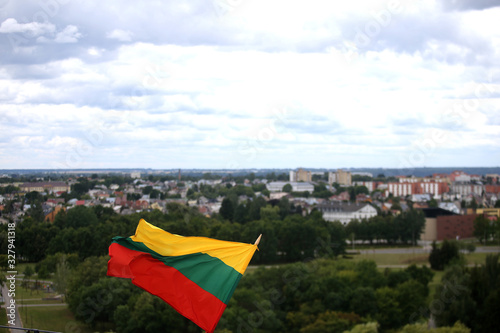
{"x": 3, "y": 320}
{"x": 393, "y": 259}
{"x": 52, "y": 318}
{"x": 396, "y": 259}
{"x": 26, "y": 293}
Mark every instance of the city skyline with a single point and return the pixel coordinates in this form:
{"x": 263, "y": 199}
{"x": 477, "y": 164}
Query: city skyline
{"x": 249, "y": 84}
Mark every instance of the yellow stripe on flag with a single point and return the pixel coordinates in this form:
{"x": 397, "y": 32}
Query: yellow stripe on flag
{"x": 236, "y": 255}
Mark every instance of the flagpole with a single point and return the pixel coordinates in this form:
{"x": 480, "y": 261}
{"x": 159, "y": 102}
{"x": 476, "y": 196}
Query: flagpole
{"x": 258, "y": 240}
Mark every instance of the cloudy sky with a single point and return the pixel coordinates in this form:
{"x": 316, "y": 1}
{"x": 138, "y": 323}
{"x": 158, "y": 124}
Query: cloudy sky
{"x": 249, "y": 83}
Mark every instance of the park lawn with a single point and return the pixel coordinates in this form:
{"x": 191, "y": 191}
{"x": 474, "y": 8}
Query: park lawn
{"x": 25, "y": 293}
{"x": 3, "y": 320}
{"x": 380, "y": 246}
{"x": 390, "y": 259}
{"x": 476, "y": 258}
{"x": 52, "y": 318}
{"x": 436, "y": 279}
{"x": 20, "y": 267}
{"x": 40, "y": 301}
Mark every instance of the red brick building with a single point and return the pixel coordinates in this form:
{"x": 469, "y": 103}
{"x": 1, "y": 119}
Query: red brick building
{"x": 449, "y": 227}
{"x": 441, "y": 224}
{"x": 492, "y": 189}
{"x": 404, "y": 189}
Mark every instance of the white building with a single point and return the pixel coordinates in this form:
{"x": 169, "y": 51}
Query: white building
{"x": 369, "y": 185}
{"x": 332, "y": 177}
{"x": 452, "y": 207}
{"x": 135, "y": 175}
{"x": 296, "y": 186}
{"x": 345, "y": 212}
{"x": 463, "y": 178}
{"x": 466, "y": 189}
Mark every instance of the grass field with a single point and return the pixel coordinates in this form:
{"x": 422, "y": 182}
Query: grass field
{"x": 52, "y": 318}
{"x": 393, "y": 259}
{"x": 436, "y": 279}
{"x": 3, "y": 320}
{"x": 25, "y": 293}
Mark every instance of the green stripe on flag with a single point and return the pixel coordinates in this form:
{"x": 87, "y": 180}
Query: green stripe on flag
{"x": 210, "y": 273}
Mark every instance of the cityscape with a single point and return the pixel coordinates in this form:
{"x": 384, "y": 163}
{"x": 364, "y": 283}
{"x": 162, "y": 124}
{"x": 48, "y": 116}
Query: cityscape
{"x": 237, "y": 166}
{"x": 387, "y": 230}
{"x": 339, "y": 195}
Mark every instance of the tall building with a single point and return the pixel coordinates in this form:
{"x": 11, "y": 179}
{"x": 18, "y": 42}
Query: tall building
{"x": 300, "y": 175}
{"x": 404, "y": 189}
{"x": 332, "y": 178}
{"x": 344, "y": 177}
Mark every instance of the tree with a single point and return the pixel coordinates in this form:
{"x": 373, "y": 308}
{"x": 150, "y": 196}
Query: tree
{"x": 61, "y": 276}
{"x": 254, "y": 209}
{"x": 287, "y": 188}
{"x": 227, "y": 210}
{"x": 389, "y": 311}
{"x": 284, "y": 207}
{"x": 422, "y": 328}
{"x": 440, "y": 257}
{"x": 482, "y": 228}
{"x": 147, "y": 189}
{"x": 371, "y": 327}
{"x": 454, "y": 298}
{"x": 36, "y": 211}
{"x": 78, "y": 217}
{"x": 414, "y": 291}
{"x": 363, "y": 301}
{"x": 28, "y": 273}
{"x": 241, "y": 213}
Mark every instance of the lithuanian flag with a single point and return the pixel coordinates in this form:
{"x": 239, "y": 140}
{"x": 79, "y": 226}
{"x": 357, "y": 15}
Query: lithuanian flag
{"x": 195, "y": 275}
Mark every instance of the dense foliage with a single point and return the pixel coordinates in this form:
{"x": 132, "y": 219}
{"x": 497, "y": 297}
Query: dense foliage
{"x": 471, "y": 295}
{"x": 442, "y": 256}
{"x": 403, "y": 228}
{"x": 87, "y": 232}
{"x": 318, "y": 296}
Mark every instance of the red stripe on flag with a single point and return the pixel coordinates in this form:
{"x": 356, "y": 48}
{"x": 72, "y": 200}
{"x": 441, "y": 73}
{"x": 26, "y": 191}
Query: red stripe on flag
{"x": 152, "y": 275}
{"x": 118, "y": 264}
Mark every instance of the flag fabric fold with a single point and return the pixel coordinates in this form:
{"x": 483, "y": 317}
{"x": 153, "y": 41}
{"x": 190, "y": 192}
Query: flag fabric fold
{"x": 195, "y": 275}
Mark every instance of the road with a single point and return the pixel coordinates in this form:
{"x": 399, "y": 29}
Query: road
{"x": 480, "y": 249}
{"x": 36, "y": 305}
{"x": 15, "y": 312}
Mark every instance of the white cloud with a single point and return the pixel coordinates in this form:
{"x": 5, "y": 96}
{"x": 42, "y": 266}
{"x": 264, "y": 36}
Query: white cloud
{"x": 191, "y": 86}
{"x": 69, "y": 34}
{"x": 31, "y": 29}
{"x": 121, "y": 35}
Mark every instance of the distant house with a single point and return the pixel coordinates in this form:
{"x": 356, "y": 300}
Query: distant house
{"x": 344, "y": 196}
{"x": 296, "y": 186}
{"x": 450, "y": 206}
{"x": 363, "y": 198}
{"x": 278, "y": 195}
{"x": 346, "y": 212}
{"x": 50, "y": 217}
{"x": 45, "y": 186}
{"x": 489, "y": 211}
